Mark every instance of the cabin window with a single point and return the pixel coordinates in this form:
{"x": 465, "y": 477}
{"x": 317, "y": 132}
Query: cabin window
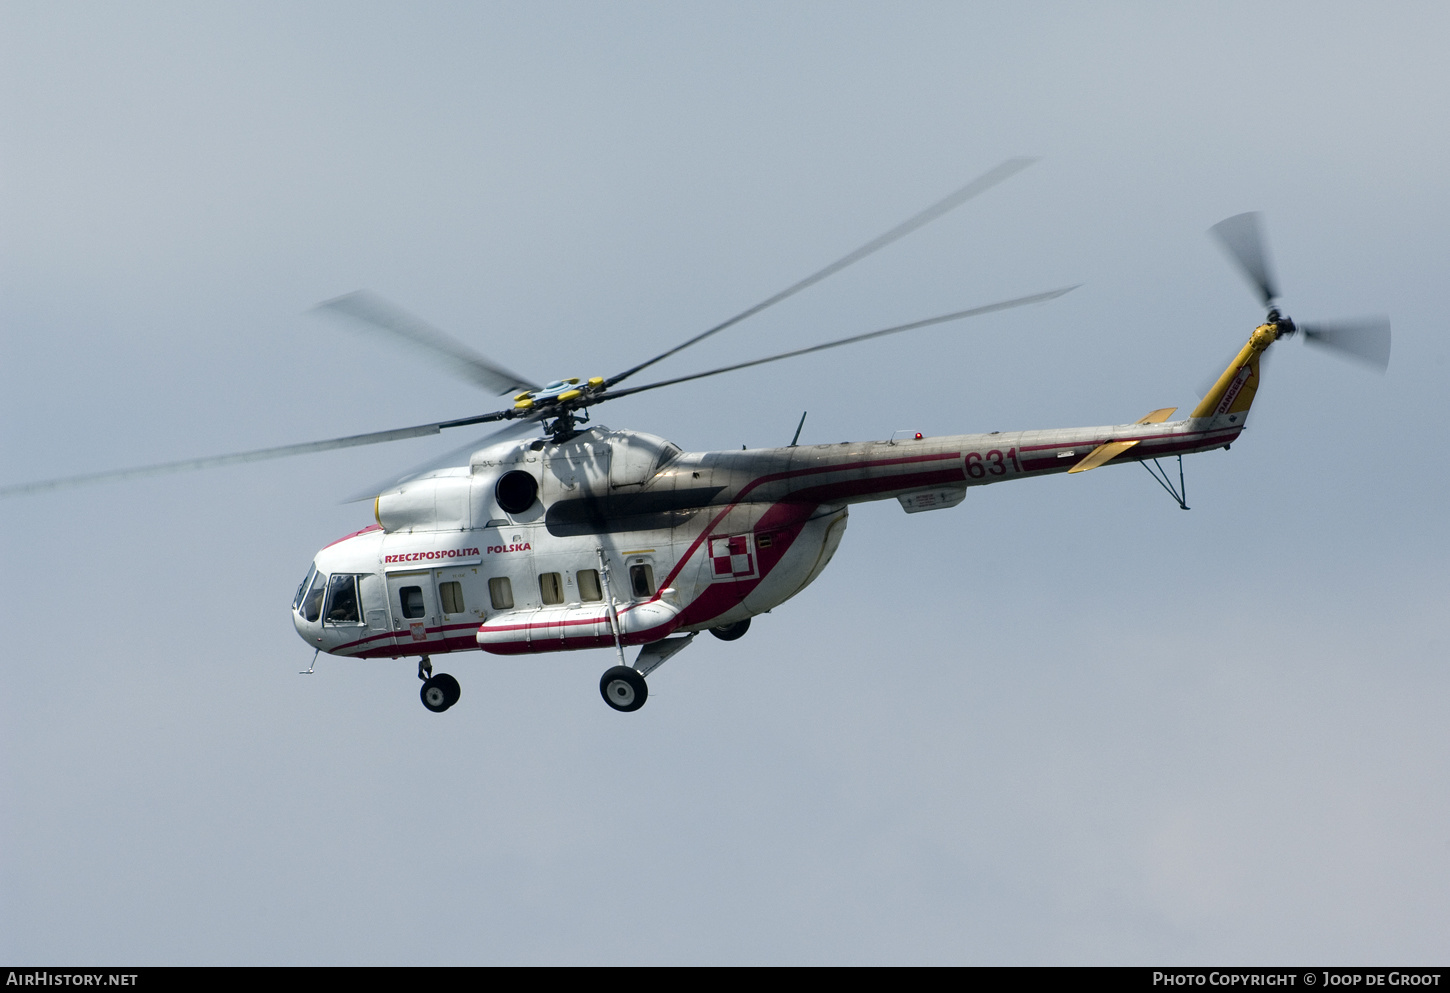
{"x": 501, "y": 593}
{"x": 312, "y": 604}
{"x": 551, "y": 587}
{"x": 302, "y": 589}
{"x": 452, "y": 596}
{"x": 642, "y": 580}
{"x": 589, "y": 585}
{"x": 410, "y": 598}
{"x": 342, "y": 600}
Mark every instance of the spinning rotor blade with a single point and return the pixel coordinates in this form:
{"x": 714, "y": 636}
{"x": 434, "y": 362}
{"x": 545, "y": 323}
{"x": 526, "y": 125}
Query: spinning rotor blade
{"x": 374, "y": 312}
{"x": 457, "y": 456}
{"x": 256, "y": 455}
{"x": 944, "y": 318}
{"x": 1242, "y": 239}
{"x": 1365, "y": 340}
{"x": 979, "y": 185}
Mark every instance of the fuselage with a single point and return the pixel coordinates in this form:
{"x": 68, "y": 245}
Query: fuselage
{"x": 677, "y": 541}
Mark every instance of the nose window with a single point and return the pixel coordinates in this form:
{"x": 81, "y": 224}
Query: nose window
{"x": 312, "y": 603}
{"x": 302, "y": 589}
{"x": 411, "y": 598}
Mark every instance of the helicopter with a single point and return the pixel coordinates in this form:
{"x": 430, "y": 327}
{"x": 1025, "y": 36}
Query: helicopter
{"x": 590, "y": 537}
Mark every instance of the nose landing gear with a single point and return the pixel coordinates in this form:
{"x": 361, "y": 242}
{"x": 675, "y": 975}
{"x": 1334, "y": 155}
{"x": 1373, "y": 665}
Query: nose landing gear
{"x": 439, "y": 692}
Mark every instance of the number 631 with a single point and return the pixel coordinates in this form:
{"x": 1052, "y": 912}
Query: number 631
{"x": 994, "y": 463}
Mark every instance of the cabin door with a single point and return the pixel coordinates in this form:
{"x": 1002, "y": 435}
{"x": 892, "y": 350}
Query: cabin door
{"x": 413, "y": 604}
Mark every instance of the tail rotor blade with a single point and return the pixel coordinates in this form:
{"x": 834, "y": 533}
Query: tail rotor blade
{"x": 1366, "y": 340}
{"x": 1241, "y": 237}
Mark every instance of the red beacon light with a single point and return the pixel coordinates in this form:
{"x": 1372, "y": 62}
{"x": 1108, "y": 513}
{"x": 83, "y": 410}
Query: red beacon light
{"x": 918, "y": 436}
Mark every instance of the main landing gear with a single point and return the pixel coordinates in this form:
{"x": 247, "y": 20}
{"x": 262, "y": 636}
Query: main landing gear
{"x": 624, "y": 688}
{"x": 729, "y": 632}
{"x": 439, "y": 692}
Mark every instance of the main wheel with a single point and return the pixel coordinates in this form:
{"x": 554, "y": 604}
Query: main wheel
{"x": 440, "y": 692}
{"x": 729, "y": 632}
{"x": 623, "y": 688}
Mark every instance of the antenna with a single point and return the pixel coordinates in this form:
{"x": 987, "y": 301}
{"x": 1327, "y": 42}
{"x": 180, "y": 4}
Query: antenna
{"x": 798, "y": 428}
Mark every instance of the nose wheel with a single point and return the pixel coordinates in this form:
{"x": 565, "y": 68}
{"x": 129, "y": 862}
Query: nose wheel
{"x": 623, "y": 688}
{"x": 439, "y": 692}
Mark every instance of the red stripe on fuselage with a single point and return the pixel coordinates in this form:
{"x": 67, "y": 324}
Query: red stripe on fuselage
{"x": 792, "y": 498}
{"x": 393, "y": 634}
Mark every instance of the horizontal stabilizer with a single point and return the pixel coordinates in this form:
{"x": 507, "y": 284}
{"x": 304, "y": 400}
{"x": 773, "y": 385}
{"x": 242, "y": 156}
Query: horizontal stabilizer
{"x": 1108, "y": 451}
{"x": 1101, "y": 454}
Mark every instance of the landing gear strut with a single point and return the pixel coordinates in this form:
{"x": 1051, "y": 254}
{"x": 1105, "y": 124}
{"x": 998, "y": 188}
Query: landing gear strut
{"x": 624, "y": 688}
{"x": 439, "y": 692}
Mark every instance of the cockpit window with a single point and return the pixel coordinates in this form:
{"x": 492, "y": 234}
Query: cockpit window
{"x": 302, "y": 588}
{"x": 312, "y": 603}
{"x": 342, "y": 600}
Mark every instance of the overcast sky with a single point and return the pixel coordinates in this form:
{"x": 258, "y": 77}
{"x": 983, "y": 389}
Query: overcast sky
{"x": 1064, "y": 722}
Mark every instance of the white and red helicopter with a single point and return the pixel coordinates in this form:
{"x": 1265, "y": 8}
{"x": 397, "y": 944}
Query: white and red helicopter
{"x": 588, "y": 537}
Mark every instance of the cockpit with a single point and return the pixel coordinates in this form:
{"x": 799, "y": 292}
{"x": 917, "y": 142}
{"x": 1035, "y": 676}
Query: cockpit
{"x": 336, "y": 599}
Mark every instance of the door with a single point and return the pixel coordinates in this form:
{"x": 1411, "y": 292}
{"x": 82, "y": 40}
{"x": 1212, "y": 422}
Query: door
{"x": 460, "y": 604}
{"x": 413, "y": 604}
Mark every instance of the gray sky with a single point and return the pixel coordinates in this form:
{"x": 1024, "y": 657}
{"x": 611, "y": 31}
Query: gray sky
{"x": 1064, "y": 722}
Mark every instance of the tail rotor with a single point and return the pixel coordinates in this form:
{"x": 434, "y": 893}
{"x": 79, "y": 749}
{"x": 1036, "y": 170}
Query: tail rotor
{"x": 1366, "y": 340}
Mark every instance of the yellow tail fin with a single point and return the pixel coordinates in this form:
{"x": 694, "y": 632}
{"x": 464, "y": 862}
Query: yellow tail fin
{"x": 1235, "y": 389}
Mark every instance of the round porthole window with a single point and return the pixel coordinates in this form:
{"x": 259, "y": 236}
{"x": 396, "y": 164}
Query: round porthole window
{"x": 516, "y": 491}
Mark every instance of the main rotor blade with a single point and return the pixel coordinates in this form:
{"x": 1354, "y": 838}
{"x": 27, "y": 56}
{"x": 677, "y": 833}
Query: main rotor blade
{"x": 457, "y": 456}
{"x": 979, "y": 185}
{"x": 377, "y": 314}
{"x": 944, "y": 318}
{"x": 236, "y": 458}
{"x": 1366, "y": 340}
{"x": 1244, "y": 242}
